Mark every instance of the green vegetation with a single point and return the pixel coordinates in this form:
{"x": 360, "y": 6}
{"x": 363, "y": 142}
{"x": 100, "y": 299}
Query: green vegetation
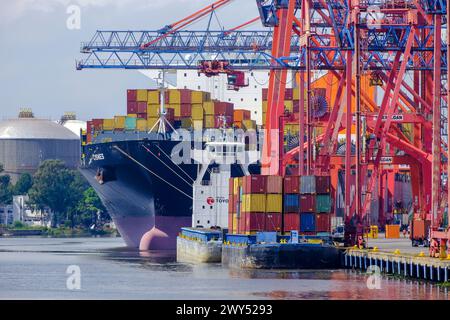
{"x": 76, "y": 208}
{"x": 5, "y": 188}
{"x": 444, "y": 284}
{"x": 24, "y": 184}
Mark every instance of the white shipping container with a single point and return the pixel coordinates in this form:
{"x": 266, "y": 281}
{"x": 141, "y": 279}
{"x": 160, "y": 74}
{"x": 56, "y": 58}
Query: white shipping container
{"x": 210, "y": 205}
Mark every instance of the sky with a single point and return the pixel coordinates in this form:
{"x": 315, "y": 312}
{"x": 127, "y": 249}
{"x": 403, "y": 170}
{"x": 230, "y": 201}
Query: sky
{"x": 39, "y": 52}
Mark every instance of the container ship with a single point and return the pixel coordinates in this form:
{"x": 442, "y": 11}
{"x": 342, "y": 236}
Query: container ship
{"x": 131, "y": 164}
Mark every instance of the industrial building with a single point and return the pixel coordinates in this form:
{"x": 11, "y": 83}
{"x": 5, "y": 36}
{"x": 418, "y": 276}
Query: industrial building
{"x": 26, "y": 142}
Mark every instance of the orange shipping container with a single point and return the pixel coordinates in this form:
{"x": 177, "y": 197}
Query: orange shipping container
{"x": 240, "y": 115}
{"x": 392, "y": 231}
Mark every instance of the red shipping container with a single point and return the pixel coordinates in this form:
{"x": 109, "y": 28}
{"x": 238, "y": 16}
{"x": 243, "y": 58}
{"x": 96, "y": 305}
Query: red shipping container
{"x": 296, "y": 106}
{"x": 254, "y": 221}
{"x": 231, "y": 207}
{"x": 307, "y": 203}
{"x": 291, "y": 222}
{"x": 170, "y": 115}
{"x": 323, "y": 184}
{"x": 141, "y": 107}
{"x": 88, "y": 137}
{"x": 89, "y": 127}
{"x": 231, "y": 186}
{"x": 273, "y": 221}
{"x": 291, "y": 184}
{"x": 288, "y": 94}
{"x": 185, "y": 96}
{"x": 224, "y": 108}
{"x": 265, "y": 92}
{"x": 132, "y": 107}
{"x": 222, "y": 121}
{"x": 131, "y": 95}
{"x": 242, "y": 222}
{"x": 185, "y": 110}
{"x": 274, "y": 184}
{"x": 254, "y": 184}
{"x": 98, "y": 124}
{"x": 323, "y": 222}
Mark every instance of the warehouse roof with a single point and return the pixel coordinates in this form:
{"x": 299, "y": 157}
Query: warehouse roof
{"x": 31, "y": 128}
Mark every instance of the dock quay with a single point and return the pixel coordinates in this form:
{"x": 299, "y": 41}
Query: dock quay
{"x": 408, "y": 265}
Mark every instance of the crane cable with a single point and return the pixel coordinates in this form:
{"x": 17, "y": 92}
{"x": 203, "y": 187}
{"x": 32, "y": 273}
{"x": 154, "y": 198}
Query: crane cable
{"x": 189, "y": 177}
{"x": 165, "y": 164}
{"x": 147, "y": 169}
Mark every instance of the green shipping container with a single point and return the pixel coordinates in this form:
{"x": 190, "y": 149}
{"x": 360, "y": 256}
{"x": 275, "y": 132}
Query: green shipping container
{"x": 130, "y": 123}
{"x": 323, "y": 203}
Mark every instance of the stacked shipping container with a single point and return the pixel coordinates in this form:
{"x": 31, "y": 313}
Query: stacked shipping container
{"x": 272, "y": 203}
{"x": 184, "y": 109}
{"x": 255, "y": 204}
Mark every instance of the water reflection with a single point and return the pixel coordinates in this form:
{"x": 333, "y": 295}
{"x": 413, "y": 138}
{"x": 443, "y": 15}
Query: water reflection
{"x": 157, "y": 275}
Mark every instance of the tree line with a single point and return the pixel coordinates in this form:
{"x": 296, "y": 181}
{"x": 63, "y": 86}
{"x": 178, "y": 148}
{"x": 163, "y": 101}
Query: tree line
{"x": 64, "y": 191}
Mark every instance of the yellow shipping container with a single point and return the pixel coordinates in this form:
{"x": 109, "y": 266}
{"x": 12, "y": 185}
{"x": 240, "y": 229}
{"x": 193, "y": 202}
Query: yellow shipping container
{"x": 208, "y": 106}
{"x": 200, "y": 97}
{"x": 296, "y": 93}
{"x": 152, "y": 110}
{"x": 132, "y": 115}
{"x": 119, "y": 122}
{"x": 253, "y": 203}
{"x": 197, "y": 124}
{"x": 289, "y": 105}
{"x": 108, "y": 124}
{"x": 142, "y": 95}
{"x": 274, "y": 203}
{"x": 151, "y": 122}
{"x": 237, "y": 183}
{"x": 186, "y": 123}
{"x": 141, "y": 125}
{"x": 291, "y": 128}
{"x": 153, "y": 97}
{"x": 208, "y": 121}
{"x": 197, "y": 112}
{"x": 249, "y": 124}
{"x": 174, "y": 96}
{"x": 264, "y": 106}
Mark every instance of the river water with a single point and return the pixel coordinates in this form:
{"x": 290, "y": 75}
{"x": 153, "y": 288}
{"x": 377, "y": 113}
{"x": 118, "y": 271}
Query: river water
{"x": 35, "y": 268}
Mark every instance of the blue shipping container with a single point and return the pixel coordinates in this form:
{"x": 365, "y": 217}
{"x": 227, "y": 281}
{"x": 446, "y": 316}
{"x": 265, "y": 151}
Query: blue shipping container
{"x": 307, "y": 222}
{"x": 130, "y": 123}
{"x": 291, "y": 203}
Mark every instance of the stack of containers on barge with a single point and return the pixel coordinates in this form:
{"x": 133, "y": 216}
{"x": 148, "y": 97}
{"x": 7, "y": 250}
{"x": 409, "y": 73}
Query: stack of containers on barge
{"x": 307, "y": 204}
{"x": 255, "y": 204}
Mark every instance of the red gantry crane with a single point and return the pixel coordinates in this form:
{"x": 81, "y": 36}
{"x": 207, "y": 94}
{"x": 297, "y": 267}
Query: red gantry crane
{"x": 377, "y": 67}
